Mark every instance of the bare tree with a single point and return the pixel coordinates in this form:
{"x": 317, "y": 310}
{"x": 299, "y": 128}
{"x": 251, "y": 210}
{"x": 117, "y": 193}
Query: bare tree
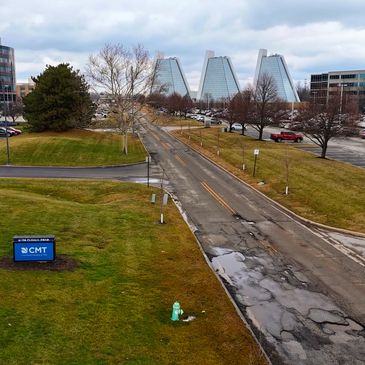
{"x": 240, "y": 108}
{"x": 122, "y": 73}
{"x": 16, "y": 109}
{"x": 321, "y": 122}
{"x": 303, "y": 91}
{"x": 265, "y": 96}
{"x": 173, "y": 103}
{"x": 156, "y": 100}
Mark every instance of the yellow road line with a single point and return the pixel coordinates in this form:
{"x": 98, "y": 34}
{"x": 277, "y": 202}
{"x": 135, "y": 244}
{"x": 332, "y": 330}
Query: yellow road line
{"x": 217, "y": 197}
{"x": 155, "y": 135}
{"x": 180, "y": 159}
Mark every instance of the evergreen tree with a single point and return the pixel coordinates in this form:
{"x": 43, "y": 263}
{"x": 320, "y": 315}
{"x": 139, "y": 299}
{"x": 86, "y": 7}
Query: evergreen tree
{"x": 60, "y": 100}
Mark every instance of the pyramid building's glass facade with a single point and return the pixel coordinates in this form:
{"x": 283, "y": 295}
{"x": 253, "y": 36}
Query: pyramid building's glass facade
{"x": 169, "y": 77}
{"x": 275, "y": 66}
{"x": 218, "y": 80}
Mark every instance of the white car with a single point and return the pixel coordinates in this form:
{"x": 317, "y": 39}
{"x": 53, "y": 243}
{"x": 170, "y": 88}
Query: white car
{"x": 236, "y": 127}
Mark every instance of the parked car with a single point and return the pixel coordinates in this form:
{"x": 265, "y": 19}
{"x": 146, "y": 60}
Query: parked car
{"x": 286, "y": 136}
{"x": 350, "y": 131}
{"x": 362, "y": 133}
{"x": 215, "y": 121}
{"x": 3, "y": 133}
{"x": 16, "y": 131}
{"x": 236, "y": 127}
{"x": 12, "y": 133}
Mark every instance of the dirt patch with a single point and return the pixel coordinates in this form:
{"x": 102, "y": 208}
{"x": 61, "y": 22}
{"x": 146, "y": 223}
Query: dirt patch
{"x": 62, "y": 263}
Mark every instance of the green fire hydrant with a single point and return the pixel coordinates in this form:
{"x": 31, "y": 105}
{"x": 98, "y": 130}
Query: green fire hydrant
{"x": 176, "y": 311}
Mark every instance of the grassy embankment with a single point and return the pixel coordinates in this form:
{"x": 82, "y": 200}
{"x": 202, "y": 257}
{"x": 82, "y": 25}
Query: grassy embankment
{"x": 115, "y": 307}
{"x": 325, "y": 191}
{"x": 72, "y": 148}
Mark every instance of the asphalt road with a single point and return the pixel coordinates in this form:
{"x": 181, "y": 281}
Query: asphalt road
{"x": 296, "y": 289}
{"x": 135, "y": 173}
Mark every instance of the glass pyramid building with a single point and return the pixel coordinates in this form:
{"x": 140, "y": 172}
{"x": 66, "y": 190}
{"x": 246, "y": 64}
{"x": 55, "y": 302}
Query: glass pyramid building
{"x": 218, "y": 80}
{"x": 169, "y": 77}
{"x": 275, "y": 66}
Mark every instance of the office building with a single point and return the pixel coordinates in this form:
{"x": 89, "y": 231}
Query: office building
{"x": 169, "y": 77}
{"x": 7, "y": 75}
{"x": 344, "y": 83}
{"x": 276, "y": 67}
{"x": 218, "y": 80}
{"x": 24, "y": 88}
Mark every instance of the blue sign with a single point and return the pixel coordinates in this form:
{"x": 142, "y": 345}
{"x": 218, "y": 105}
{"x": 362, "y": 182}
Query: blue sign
{"x": 34, "y": 248}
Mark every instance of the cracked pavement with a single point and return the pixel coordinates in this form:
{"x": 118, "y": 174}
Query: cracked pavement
{"x": 302, "y": 296}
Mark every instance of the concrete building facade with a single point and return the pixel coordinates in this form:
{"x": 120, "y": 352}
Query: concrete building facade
{"x": 345, "y": 83}
{"x": 24, "y": 88}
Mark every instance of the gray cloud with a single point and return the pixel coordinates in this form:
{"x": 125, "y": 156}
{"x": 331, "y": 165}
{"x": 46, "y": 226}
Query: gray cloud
{"x": 314, "y": 36}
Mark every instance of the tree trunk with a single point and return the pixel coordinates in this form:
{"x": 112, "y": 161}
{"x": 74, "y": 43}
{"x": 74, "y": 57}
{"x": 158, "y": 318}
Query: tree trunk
{"x": 324, "y": 150}
{"x": 124, "y": 144}
{"x": 261, "y": 131}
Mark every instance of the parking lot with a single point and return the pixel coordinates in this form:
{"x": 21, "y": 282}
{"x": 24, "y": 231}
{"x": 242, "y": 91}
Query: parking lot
{"x": 349, "y": 151}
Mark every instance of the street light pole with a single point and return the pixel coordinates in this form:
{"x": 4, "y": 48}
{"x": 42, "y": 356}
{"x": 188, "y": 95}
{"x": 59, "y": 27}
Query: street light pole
{"x": 6, "y": 125}
{"x": 341, "y": 95}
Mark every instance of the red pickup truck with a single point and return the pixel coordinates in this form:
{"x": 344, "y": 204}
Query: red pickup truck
{"x": 286, "y": 136}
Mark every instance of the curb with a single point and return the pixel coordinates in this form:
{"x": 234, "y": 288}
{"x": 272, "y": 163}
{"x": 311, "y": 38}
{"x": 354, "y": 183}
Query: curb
{"x": 184, "y": 216}
{"x": 287, "y": 210}
{"x": 74, "y": 167}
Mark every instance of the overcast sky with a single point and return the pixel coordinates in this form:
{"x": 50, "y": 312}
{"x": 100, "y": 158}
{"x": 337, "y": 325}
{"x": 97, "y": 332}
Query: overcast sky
{"x": 313, "y": 35}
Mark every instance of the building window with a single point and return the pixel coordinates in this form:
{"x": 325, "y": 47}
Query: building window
{"x": 351, "y": 76}
{"x": 334, "y": 77}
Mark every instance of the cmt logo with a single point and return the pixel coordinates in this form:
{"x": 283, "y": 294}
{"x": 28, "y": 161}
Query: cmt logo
{"x": 33, "y": 250}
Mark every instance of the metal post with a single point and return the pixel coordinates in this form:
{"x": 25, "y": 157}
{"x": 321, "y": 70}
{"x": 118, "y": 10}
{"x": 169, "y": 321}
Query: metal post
{"x": 243, "y": 157}
{"x": 341, "y": 95}
{"x": 148, "y": 159}
{"x": 218, "y": 142}
{"x": 254, "y": 166}
{"x": 6, "y": 125}
{"x": 161, "y": 207}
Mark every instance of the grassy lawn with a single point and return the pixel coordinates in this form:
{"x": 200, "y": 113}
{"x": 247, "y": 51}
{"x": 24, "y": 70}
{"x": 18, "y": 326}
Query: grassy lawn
{"x": 115, "y": 307}
{"x": 325, "y": 191}
{"x": 72, "y": 148}
{"x": 169, "y": 120}
{"x": 164, "y": 119}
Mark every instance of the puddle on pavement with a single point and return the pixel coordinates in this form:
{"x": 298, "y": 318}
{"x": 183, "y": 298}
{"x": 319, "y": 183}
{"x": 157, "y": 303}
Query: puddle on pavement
{"x": 305, "y": 326}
